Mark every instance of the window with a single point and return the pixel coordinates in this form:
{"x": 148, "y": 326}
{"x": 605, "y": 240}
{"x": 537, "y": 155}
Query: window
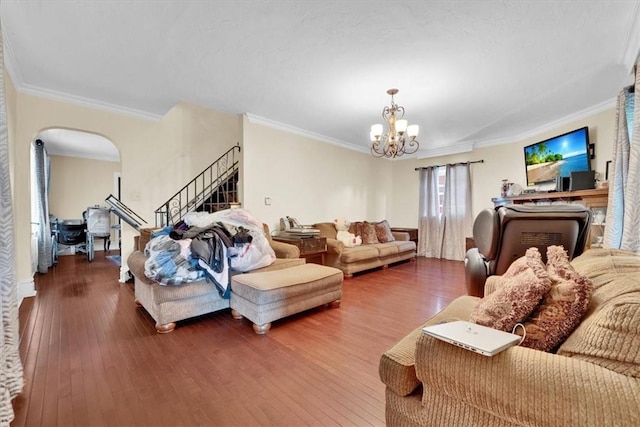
{"x": 442, "y": 177}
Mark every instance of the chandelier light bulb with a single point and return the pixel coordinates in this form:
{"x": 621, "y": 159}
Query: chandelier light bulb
{"x": 376, "y": 131}
{"x": 413, "y": 130}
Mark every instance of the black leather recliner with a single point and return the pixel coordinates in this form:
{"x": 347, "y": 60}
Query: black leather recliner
{"x": 503, "y": 235}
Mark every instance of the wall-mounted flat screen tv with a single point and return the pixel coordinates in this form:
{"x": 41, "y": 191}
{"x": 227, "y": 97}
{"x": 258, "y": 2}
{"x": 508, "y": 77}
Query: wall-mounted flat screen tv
{"x": 557, "y": 156}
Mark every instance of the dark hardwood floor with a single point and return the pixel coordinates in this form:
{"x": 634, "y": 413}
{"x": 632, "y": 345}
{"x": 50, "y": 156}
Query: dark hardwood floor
{"x": 92, "y": 358}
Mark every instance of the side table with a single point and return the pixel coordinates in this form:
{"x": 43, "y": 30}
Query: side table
{"x": 413, "y": 233}
{"x": 312, "y": 249}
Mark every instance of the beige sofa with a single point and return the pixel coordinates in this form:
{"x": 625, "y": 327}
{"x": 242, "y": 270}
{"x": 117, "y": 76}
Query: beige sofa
{"x": 592, "y": 380}
{"x": 364, "y": 257}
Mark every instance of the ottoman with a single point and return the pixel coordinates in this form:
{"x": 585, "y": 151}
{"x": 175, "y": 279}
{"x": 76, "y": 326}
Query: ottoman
{"x": 263, "y": 297}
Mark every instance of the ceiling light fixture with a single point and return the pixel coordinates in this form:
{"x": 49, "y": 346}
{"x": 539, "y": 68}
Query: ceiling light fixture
{"x": 394, "y": 143}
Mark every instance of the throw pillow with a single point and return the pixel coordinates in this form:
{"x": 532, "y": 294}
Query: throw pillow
{"x": 383, "y": 232}
{"x": 562, "y": 309}
{"x": 356, "y": 228}
{"x": 517, "y": 294}
{"x": 369, "y": 233}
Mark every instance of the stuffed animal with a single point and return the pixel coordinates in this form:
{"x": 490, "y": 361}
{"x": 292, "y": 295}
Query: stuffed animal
{"x": 349, "y": 239}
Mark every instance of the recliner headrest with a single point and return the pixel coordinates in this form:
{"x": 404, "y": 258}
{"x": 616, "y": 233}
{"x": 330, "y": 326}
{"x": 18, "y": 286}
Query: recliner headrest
{"x": 485, "y": 233}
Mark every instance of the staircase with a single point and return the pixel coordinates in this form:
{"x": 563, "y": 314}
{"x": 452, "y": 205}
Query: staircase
{"x": 214, "y": 189}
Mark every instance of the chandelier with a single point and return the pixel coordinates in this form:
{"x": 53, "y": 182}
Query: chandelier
{"x": 399, "y": 139}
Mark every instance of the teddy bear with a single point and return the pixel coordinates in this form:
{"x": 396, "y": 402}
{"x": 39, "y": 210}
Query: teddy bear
{"x": 349, "y": 239}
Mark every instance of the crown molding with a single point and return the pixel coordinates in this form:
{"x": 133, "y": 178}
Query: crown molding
{"x": 632, "y": 40}
{"x": 598, "y": 108}
{"x": 464, "y": 147}
{"x": 87, "y": 102}
{"x": 263, "y": 121}
{"x": 15, "y": 73}
{"x": 446, "y": 151}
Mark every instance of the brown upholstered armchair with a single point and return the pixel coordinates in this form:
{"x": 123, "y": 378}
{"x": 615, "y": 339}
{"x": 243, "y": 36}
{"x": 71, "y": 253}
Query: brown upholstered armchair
{"x": 503, "y": 235}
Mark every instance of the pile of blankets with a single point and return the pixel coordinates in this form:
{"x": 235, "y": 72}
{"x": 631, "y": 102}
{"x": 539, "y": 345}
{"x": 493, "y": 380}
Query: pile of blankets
{"x": 208, "y": 246}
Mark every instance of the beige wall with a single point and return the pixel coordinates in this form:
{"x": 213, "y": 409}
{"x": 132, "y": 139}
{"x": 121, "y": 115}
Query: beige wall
{"x": 310, "y": 180}
{"x": 172, "y": 152}
{"x": 157, "y": 157}
{"x": 500, "y": 162}
{"x": 78, "y": 183}
{"x": 35, "y": 114}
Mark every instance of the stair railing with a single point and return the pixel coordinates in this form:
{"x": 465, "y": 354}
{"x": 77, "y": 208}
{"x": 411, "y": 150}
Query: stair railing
{"x": 200, "y": 191}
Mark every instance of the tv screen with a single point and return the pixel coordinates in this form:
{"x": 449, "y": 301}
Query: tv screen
{"x": 557, "y": 156}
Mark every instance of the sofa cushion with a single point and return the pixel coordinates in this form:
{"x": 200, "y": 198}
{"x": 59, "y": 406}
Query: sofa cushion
{"x": 404, "y": 245}
{"x": 279, "y": 264}
{"x": 269, "y": 286}
{"x": 359, "y": 253}
{"x": 562, "y": 308}
{"x": 519, "y": 291}
{"x": 609, "y": 335}
{"x": 386, "y": 249}
{"x": 369, "y": 236}
{"x": 383, "y": 231}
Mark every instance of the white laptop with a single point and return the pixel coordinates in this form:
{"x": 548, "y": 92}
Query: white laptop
{"x": 478, "y": 338}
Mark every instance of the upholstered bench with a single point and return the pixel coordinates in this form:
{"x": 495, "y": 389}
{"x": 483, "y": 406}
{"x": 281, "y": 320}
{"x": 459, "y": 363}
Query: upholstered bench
{"x": 263, "y": 297}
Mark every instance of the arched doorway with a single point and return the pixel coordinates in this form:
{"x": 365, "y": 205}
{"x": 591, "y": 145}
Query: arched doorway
{"x": 80, "y": 169}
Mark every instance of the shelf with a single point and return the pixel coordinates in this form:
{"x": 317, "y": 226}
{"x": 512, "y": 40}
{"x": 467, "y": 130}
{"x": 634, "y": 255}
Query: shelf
{"x": 596, "y": 198}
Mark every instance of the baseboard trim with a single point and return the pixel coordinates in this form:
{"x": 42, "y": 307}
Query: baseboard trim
{"x": 124, "y": 274}
{"x": 26, "y": 289}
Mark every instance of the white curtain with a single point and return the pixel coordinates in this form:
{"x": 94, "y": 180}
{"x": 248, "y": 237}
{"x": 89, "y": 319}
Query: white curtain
{"x": 623, "y": 212}
{"x": 443, "y": 235}
{"x": 456, "y": 223}
{"x": 429, "y": 236}
{"x": 10, "y": 365}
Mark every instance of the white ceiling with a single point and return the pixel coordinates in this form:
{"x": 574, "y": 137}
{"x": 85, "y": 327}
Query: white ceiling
{"x": 469, "y": 73}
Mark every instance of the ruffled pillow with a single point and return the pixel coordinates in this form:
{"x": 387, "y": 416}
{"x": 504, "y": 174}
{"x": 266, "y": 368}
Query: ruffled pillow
{"x": 369, "y": 235}
{"x": 383, "y": 232}
{"x": 562, "y": 308}
{"x": 356, "y": 228}
{"x": 518, "y": 292}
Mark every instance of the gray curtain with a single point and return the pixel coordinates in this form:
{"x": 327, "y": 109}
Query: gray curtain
{"x": 457, "y": 218}
{"x": 622, "y": 228}
{"x": 10, "y": 365}
{"x": 429, "y": 234}
{"x": 41, "y": 177}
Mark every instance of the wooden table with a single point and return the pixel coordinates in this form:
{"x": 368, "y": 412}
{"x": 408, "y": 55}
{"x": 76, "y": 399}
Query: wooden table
{"x": 413, "y": 233}
{"x": 312, "y": 249}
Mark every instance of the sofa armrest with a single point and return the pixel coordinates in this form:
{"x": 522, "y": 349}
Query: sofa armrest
{"x": 135, "y": 262}
{"x": 284, "y": 250}
{"x": 334, "y": 246}
{"x": 402, "y": 236}
{"x": 527, "y": 387}
{"x": 475, "y": 273}
{"x": 396, "y": 368}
